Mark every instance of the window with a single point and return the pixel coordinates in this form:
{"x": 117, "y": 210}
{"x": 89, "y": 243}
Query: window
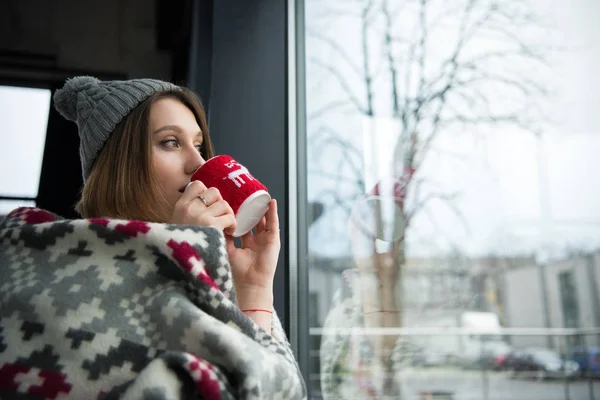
{"x": 24, "y": 116}
{"x": 451, "y": 154}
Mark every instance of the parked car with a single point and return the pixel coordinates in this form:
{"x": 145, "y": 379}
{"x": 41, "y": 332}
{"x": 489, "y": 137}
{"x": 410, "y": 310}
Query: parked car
{"x": 494, "y": 357}
{"x": 588, "y": 360}
{"x": 540, "y": 363}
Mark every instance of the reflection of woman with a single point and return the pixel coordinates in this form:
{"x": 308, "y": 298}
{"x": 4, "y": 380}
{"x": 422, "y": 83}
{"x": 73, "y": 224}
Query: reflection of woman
{"x": 356, "y": 365}
{"x": 137, "y": 300}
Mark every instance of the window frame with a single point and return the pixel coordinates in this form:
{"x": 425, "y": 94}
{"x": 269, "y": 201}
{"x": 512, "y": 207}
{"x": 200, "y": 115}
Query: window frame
{"x": 298, "y": 281}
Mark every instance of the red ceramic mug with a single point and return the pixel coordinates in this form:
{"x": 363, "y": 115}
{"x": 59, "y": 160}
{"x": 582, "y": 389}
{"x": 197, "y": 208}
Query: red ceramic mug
{"x": 248, "y": 198}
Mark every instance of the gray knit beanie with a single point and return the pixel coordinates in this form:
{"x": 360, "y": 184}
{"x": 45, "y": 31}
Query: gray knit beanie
{"x": 98, "y": 106}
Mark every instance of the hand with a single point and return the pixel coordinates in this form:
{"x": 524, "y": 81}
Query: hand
{"x": 253, "y": 265}
{"x": 190, "y": 210}
{"x": 387, "y": 264}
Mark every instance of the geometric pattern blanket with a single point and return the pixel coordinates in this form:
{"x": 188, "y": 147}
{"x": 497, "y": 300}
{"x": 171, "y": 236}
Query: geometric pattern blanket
{"x": 117, "y": 309}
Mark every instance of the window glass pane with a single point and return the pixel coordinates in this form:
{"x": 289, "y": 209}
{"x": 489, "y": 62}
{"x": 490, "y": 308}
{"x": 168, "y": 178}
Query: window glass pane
{"x": 7, "y": 206}
{"x": 454, "y": 223}
{"x": 24, "y": 117}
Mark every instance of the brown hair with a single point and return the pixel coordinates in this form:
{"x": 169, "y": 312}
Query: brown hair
{"x": 121, "y": 183}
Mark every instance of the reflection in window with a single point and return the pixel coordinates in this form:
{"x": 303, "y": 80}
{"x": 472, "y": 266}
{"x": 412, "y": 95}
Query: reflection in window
{"x": 463, "y": 134}
{"x": 569, "y": 305}
{"x": 24, "y": 118}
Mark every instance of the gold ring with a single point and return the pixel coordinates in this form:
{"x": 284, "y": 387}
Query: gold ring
{"x": 203, "y": 199}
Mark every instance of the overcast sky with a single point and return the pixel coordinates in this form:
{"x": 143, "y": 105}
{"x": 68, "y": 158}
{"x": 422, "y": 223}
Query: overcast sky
{"x": 516, "y": 193}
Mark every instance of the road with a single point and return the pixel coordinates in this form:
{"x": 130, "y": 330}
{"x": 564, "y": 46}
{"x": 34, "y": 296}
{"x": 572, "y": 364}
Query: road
{"x": 470, "y": 385}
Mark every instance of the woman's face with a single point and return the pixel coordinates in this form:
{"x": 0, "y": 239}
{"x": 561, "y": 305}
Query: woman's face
{"x": 176, "y": 146}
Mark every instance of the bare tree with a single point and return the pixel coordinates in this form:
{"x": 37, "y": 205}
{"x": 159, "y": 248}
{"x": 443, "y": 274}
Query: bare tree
{"x": 433, "y": 66}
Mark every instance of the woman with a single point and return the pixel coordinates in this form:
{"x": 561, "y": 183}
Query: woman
{"x": 137, "y": 299}
{"x": 359, "y": 365}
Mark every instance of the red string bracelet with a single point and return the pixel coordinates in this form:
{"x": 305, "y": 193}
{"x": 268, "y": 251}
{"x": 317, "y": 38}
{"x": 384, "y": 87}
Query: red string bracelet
{"x": 258, "y": 310}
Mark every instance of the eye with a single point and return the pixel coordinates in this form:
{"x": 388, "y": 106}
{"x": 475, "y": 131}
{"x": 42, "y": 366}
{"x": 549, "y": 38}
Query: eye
{"x": 200, "y": 148}
{"x": 170, "y": 143}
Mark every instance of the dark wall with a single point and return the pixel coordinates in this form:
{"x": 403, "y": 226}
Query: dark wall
{"x": 130, "y": 37}
{"x": 248, "y": 101}
{"x": 60, "y": 177}
{"x": 200, "y": 50}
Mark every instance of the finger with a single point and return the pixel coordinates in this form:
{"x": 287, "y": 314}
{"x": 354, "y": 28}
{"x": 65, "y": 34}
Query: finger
{"x": 272, "y": 220}
{"x": 225, "y": 222}
{"x": 231, "y": 230}
{"x": 220, "y": 208}
{"x": 212, "y": 195}
{"x": 262, "y": 225}
{"x": 192, "y": 191}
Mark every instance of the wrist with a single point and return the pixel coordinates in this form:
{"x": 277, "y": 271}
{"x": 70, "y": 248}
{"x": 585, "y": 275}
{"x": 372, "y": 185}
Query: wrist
{"x": 261, "y": 317}
{"x": 255, "y": 298}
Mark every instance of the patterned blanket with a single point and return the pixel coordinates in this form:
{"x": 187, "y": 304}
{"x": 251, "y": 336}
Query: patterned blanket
{"x": 112, "y": 309}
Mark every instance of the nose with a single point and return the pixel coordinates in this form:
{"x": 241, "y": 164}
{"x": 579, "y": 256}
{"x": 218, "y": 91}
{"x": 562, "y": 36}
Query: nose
{"x": 193, "y": 161}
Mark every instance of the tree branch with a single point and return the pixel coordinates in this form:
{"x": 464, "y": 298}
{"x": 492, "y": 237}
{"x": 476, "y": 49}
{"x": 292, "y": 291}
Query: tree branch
{"x": 350, "y": 152}
{"x": 431, "y": 196}
{"x": 390, "y": 59}
{"x": 422, "y": 42}
{"x": 463, "y": 90}
{"x": 420, "y": 102}
{"x": 338, "y": 49}
{"x": 526, "y": 86}
{"x": 368, "y": 79}
{"x": 326, "y": 108}
{"x": 344, "y": 85}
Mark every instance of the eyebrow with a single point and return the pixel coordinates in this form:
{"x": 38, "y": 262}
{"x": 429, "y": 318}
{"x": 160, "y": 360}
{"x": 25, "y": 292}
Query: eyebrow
{"x": 172, "y": 128}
